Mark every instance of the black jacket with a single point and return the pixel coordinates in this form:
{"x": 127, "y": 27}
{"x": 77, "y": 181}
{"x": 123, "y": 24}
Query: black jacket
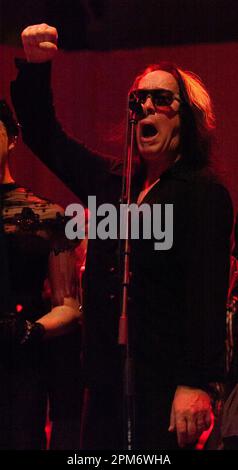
{"x": 178, "y": 297}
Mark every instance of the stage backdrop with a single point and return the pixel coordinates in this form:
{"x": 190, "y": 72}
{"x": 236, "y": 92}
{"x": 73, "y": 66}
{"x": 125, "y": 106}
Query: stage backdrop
{"x": 90, "y": 91}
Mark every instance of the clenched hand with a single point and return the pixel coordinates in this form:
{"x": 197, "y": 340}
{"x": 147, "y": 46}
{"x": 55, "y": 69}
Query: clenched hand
{"x": 39, "y": 42}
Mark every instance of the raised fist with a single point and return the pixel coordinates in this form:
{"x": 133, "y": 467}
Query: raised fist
{"x": 39, "y": 42}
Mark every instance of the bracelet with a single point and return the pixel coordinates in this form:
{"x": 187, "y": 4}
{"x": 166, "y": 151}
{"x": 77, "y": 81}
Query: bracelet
{"x": 27, "y": 332}
{"x": 33, "y": 332}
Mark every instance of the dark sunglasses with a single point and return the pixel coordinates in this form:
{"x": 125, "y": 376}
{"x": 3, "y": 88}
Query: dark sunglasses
{"x": 159, "y": 96}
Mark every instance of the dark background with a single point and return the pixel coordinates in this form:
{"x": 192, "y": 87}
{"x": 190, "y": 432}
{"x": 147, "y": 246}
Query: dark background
{"x": 105, "y": 44}
{"x": 116, "y": 24}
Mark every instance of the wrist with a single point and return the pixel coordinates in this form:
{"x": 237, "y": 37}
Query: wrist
{"x": 33, "y": 333}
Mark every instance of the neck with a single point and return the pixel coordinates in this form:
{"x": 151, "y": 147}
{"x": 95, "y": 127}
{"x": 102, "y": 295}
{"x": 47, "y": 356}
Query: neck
{"x": 155, "y": 168}
{"x": 5, "y": 175}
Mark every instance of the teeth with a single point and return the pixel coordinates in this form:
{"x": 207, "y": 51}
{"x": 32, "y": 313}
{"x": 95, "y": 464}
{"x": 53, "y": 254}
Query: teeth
{"x": 148, "y": 130}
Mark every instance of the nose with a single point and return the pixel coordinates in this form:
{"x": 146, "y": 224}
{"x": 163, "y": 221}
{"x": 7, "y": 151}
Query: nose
{"x": 148, "y": 106}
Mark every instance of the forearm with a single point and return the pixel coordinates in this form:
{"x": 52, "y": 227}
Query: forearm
{"x": 81, "y": 169}
{"x": 61, "y": 319}
{"x": 32, "y": 99}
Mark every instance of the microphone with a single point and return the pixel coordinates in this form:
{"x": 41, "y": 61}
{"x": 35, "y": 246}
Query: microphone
{"x": 135, "y": 105}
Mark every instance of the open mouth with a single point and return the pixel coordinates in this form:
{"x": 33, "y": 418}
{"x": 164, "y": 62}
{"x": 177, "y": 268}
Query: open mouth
{"x": 148, "y": 130}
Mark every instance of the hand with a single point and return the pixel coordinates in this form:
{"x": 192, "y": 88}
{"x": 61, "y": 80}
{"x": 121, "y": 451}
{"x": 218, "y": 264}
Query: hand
{"x": 16, "y": 331}
{"x": 39, "y": 42}
{"x": 190, "y": 414}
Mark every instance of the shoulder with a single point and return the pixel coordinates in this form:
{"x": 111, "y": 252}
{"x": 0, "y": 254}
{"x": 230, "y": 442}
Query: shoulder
{"x": 204, "y": 194}
{"x": 201, "y": 181}
{"x": 207, "y": 183}
{"x": 25, "y": 197}
{"x": 210, "y": 200}
{"x": 29, "y": 210}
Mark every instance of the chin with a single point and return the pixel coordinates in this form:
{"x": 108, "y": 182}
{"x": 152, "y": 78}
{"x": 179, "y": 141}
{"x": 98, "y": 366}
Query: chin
{"x": 149, "y": 149}
{"x": 149, "y": 154}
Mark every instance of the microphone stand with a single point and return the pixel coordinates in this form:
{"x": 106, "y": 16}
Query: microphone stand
{"x": 124, "y": 337}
